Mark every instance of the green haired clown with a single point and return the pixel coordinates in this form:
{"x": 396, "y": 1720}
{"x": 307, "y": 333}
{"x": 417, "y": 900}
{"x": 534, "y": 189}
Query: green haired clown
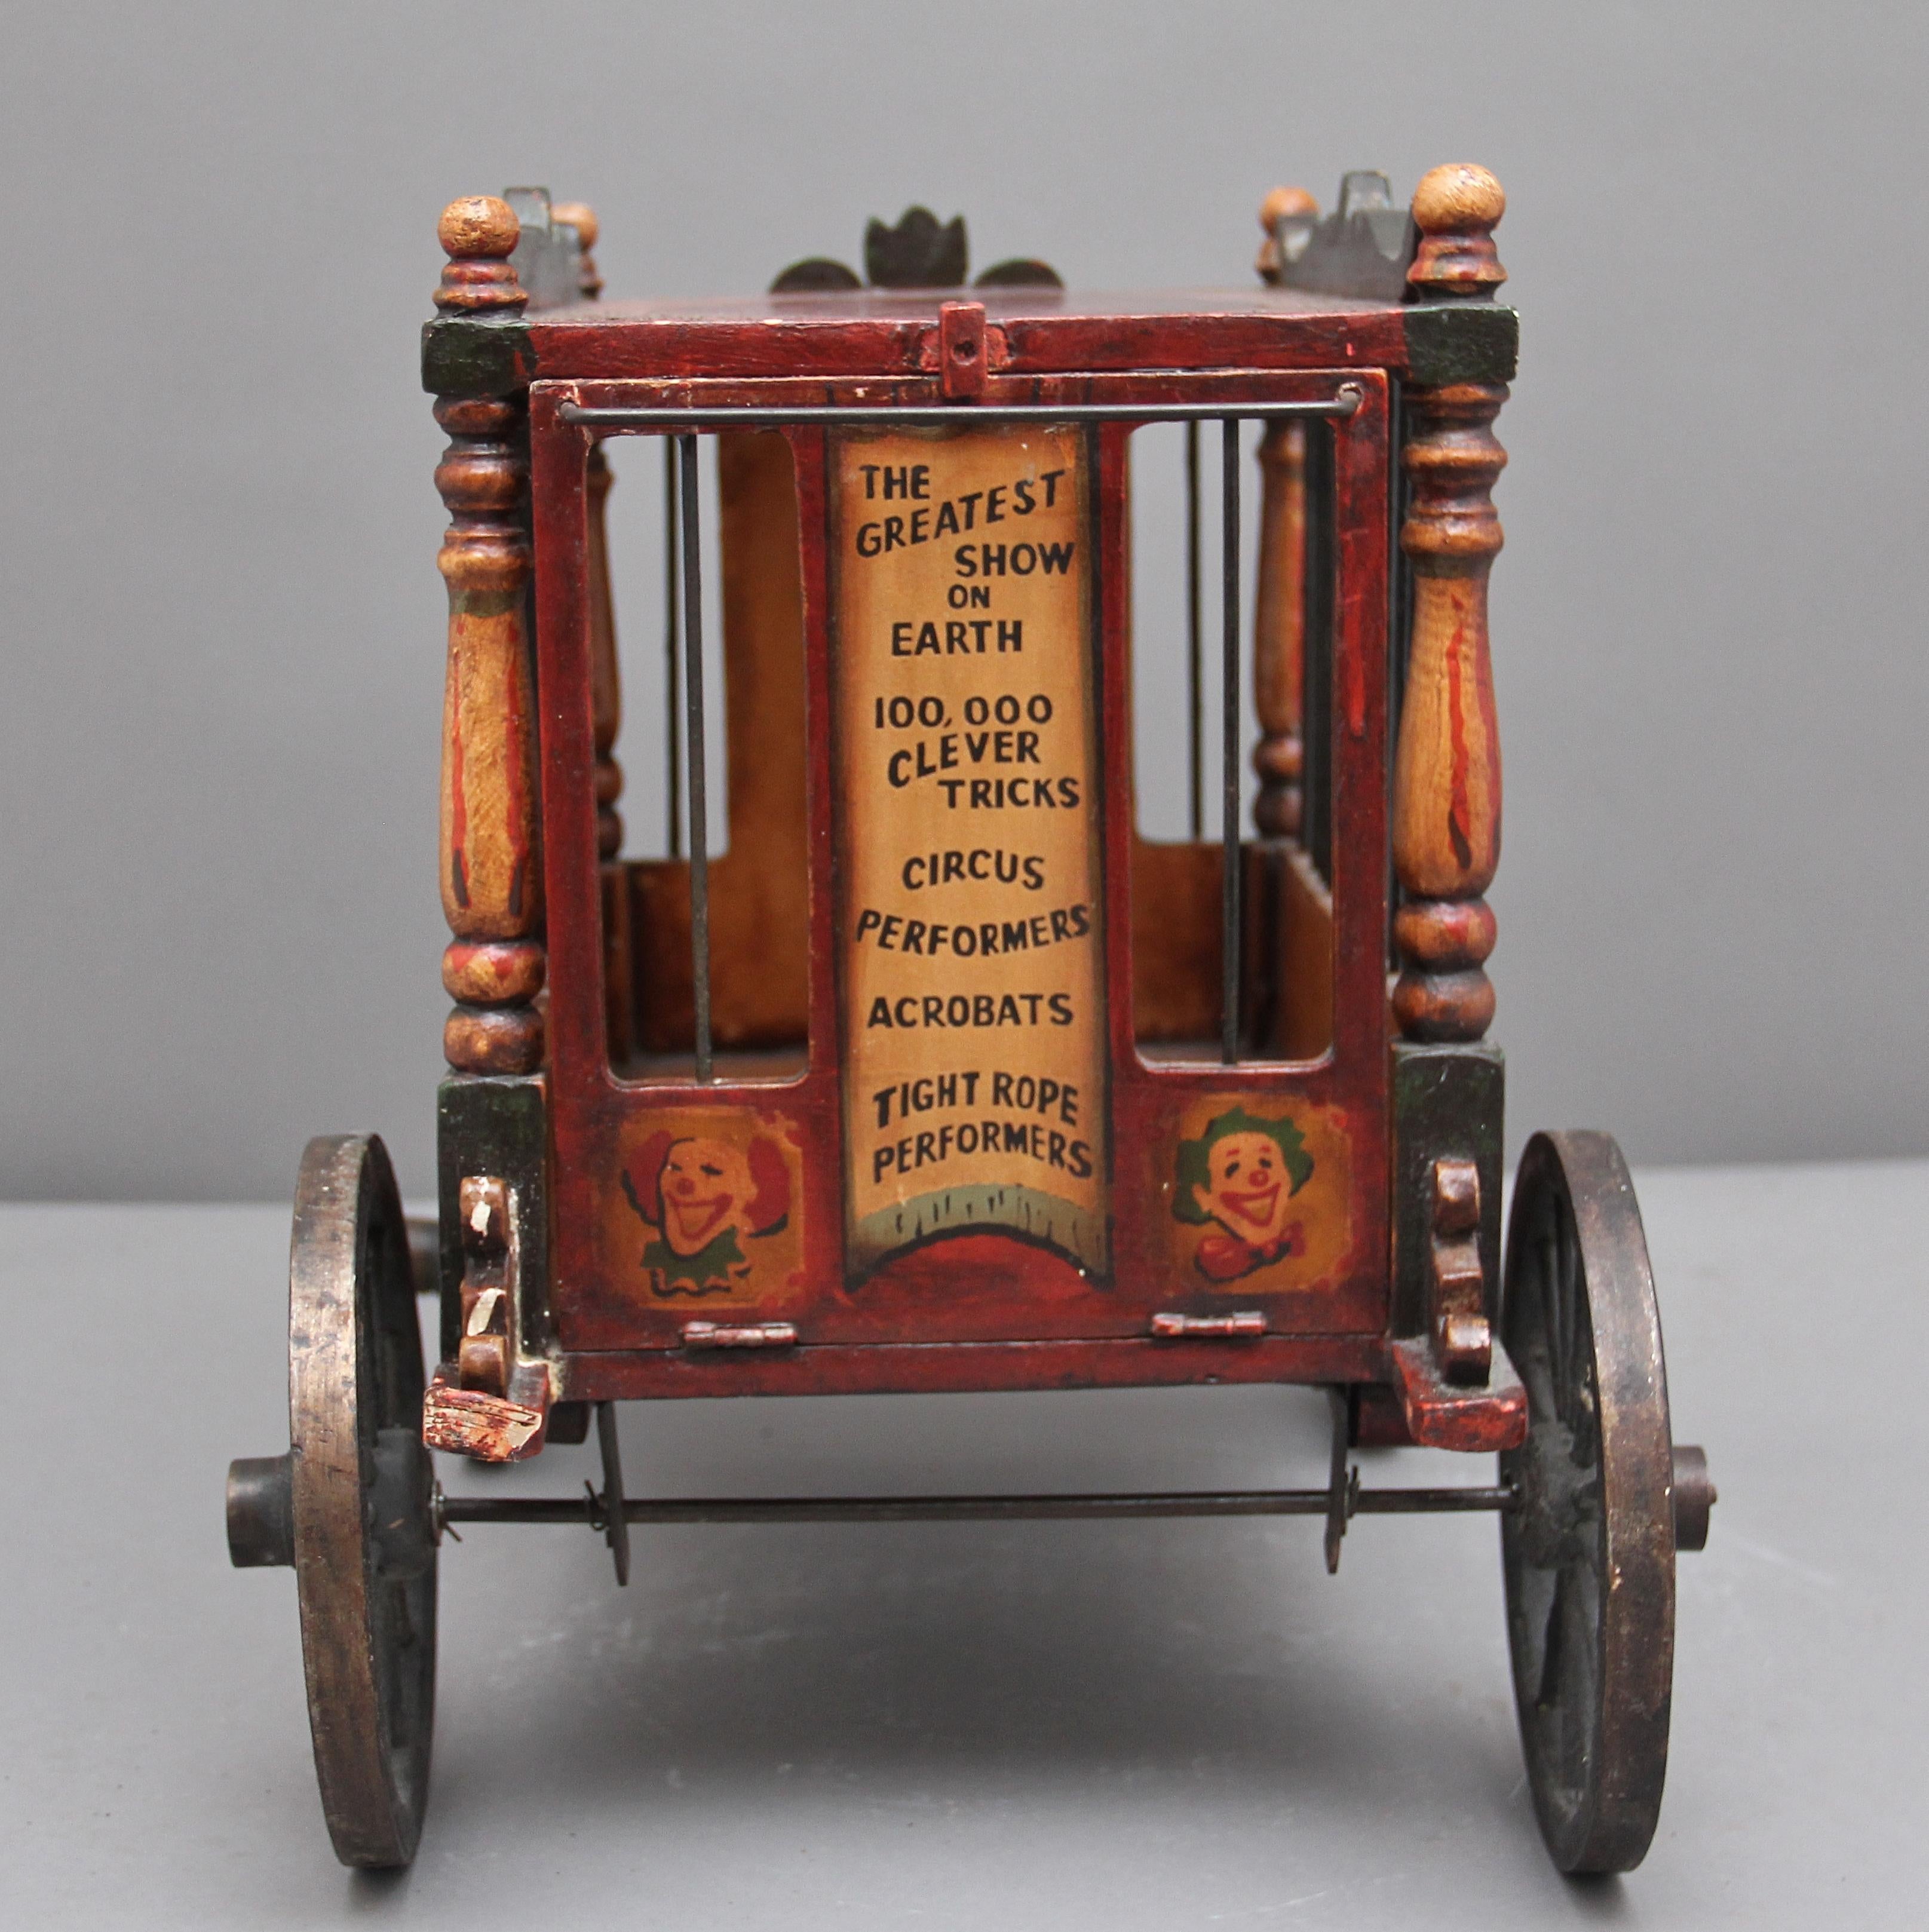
{"x": 1241, "y": 1174}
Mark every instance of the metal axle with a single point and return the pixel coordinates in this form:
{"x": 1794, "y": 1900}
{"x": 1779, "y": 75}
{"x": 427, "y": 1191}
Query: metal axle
{"x": 589, "y": 1508}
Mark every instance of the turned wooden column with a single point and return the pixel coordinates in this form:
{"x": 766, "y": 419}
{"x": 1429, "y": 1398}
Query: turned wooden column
{"x": 1446, "y": 786}
{"x": 491, "y": 865}
{"x": 1278, "y": 614}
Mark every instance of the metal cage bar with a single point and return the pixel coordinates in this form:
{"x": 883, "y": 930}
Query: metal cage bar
{"x": 672, "y": 644}
{"x": 1228, "y": 777}
{"x": 693, "y": 689}
{"x": 950, "y": 414}
{"x": 1195, "y": 667}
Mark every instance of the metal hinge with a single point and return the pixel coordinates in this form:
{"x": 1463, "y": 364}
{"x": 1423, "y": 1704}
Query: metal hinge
{"x": 754, "y": 1335}
{"x": 1247, "y": 1325}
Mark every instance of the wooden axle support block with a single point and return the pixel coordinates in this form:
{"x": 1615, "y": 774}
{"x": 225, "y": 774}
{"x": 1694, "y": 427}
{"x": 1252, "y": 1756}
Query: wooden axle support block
{"x": 487, "y": 1405}
{"x": 1440, "y": 1414}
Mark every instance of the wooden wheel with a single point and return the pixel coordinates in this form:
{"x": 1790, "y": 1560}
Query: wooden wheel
{"x": 1589, "y": 1552}
{"x": 363, "y": 1541}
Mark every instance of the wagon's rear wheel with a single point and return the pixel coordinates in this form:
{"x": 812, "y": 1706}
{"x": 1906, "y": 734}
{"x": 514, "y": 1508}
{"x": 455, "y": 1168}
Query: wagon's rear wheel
{"x": 361, "y": 1490}
{"x": 1589, "y": 1552}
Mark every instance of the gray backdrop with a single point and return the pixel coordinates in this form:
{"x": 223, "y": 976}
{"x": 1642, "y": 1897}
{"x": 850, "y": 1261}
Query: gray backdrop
{"x": 222, "y": 621}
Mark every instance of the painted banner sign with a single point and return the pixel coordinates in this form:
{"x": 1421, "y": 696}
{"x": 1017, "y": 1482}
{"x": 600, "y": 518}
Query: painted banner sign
{"x": 969, "y": 921}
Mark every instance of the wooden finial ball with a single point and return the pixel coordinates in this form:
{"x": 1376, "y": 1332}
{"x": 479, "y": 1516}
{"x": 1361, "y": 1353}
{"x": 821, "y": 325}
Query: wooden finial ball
{"x": 579, "y": 216}
{"x": 1459, "y": 198}
{"x": 478, "y": 228}
{"x": 1283, "y": 201}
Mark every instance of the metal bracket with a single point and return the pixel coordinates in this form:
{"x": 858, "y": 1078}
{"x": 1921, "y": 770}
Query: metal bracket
{"x": 611, "y": 1503}
{"x": 753, "y": 1335}
{"x": 1342, "y": 1483}
{"x": 1248, "y": 1325}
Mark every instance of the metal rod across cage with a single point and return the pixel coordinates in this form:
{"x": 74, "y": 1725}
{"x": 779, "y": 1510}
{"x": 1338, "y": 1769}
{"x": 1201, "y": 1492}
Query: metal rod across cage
{"x": 683, "y": 561}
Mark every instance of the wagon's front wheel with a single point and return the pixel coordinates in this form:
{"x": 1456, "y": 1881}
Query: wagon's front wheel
{"x": 351, "y": 1504}
{"x": 1589, "y": 1549}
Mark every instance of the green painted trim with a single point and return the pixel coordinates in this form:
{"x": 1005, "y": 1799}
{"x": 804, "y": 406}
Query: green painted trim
{"x": 1461, "y": 342}
{"x": 462, "y": 356}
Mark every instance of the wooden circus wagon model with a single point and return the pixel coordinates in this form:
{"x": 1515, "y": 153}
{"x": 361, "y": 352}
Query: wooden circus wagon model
{"x": 943, "y": 1076}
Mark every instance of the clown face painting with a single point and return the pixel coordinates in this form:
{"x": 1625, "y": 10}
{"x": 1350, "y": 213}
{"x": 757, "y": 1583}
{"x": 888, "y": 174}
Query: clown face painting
{"x": 1241, "y": 1175}
{"x": 703, "y": 1197}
